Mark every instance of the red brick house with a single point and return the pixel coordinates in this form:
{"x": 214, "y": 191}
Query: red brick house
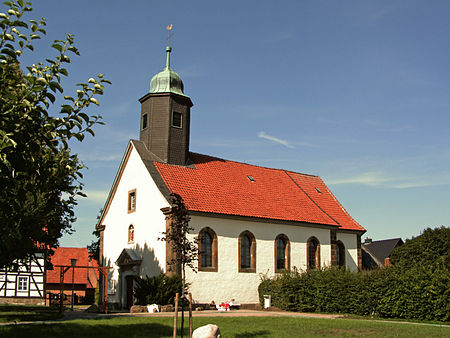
{"x": 84, "y": 280}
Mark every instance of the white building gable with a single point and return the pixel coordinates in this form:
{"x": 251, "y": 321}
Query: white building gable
{"x": 254, "y": 221}
{"x": 147, "y": 220}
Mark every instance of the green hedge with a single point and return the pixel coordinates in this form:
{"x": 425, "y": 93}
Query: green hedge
{"x": 159, "y": 289}
{"x": 415, "y": 293}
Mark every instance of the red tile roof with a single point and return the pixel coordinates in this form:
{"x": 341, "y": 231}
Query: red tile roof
{"x": 220, "y": 186}
{"x": 62, "y": 256}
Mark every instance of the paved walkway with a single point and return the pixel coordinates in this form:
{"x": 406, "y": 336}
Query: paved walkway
{"x": 69, "y": 315}
{"x": 233, "y": 313}
{"x": 73, "y": 315}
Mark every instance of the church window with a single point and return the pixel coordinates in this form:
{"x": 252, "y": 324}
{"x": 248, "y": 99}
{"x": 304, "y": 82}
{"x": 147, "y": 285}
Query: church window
{"x": 247, "y": 252}
{"x": 144, "y": 121}
{"x": 22, "y": 284}
{"x": 131, "y": 234}
{"x": 207, "y": 250}
{"x": 177, "y": 120}
{"x": 282, "y": 253}
{"x": 313, "y": 253}
{"x": 132, "y": 200}
{"x": 340, "y": 254}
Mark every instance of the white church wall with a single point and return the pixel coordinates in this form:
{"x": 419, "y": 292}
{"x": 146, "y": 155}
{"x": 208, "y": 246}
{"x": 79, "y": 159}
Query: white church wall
{"x": 227, "y": 283}
{"x": 351, "y": 250}
{"x": 148, "y": 222}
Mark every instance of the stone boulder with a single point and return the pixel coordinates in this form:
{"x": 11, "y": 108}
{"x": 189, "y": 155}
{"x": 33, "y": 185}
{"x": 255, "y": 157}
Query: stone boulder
{"x": 207, "y": 331}
{"x": 167, "y": 308}
{"x": 138, "y": 309}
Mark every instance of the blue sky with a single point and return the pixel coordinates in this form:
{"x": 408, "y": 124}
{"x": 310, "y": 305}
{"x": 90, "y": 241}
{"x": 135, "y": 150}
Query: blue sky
{"x": 356, "y": 92}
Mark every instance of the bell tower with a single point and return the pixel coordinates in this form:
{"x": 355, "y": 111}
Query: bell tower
{"x": 166, "y": 116}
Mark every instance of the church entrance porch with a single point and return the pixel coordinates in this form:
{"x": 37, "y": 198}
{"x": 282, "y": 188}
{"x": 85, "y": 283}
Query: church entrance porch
{"x": 129, "y": 263}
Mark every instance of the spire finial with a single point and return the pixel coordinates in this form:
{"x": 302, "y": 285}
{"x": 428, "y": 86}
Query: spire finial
{"x": 168, "y": 48}
{"x": 169, "y": 28}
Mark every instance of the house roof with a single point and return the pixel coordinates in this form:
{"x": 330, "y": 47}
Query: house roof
{"x": 62, "y": 256}
{"x": 381, "y": 249}
{"x": 218, "y": 186}
{"x": 221, "y": 187}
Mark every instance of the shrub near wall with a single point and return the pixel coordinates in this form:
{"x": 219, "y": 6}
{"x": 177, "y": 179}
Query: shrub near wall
{"x": 159, "y": 289}
{"x": 325, "y": 290}
{"x": 415, "y": 293}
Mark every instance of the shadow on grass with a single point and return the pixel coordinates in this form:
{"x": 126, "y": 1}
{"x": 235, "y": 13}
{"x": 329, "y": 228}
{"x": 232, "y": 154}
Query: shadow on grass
{"x": 24, "y": 313}
{"x": 260, "y": 333}
{"x": 81, "y": 330}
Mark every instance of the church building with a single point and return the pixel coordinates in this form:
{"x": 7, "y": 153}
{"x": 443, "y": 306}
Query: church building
{"x": 249, "y": 220}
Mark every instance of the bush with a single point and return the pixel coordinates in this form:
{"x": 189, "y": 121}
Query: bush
{"x": 431, "y": 249}
{"x": 415, "y": 293}
{"x": 159, "y": 289}
{"x": 324, "y": 290}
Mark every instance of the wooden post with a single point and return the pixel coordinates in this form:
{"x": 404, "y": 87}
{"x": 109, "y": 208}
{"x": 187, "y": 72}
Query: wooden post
{"x": 106, "y": 291}
{"x": 175, "y": 319}
{"x": 61, "y": 292}
{"x": 73, "y": 276}
{"x": 190, "y": 316}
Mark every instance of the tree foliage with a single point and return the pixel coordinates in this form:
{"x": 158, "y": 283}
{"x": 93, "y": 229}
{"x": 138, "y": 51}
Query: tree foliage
{"x": 94, "y": 247}
{"x": 160, "y": 289}
{"x": 39, "y": 175}
{"x": 414, "y": 287}
{"x": 431, "y": 249}
{"x": 185, "y": 250}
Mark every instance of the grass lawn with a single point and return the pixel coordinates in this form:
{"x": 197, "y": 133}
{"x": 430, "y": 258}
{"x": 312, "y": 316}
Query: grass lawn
{"x": 230, "y": 327}
{"x": 24, "y": 313}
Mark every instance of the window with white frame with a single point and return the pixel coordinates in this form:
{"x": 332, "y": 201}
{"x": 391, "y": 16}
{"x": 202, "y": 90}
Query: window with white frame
{"x": 132, "y": 201}
{"x": 22, "y": 284}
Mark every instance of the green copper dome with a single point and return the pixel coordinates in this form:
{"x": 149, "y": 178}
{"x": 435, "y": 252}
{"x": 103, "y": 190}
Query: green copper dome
{"x": 167, "y": 81}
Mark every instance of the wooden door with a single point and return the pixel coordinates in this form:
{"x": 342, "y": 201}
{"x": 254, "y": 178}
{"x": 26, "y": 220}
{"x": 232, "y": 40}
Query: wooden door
{"x": 130, "y": 290}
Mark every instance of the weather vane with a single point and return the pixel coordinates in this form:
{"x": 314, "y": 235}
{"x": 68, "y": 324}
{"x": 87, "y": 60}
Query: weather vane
{"x": 169, "y": 28}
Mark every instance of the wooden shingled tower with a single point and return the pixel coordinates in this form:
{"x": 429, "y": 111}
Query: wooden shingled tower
{"x": 165, "y": 117}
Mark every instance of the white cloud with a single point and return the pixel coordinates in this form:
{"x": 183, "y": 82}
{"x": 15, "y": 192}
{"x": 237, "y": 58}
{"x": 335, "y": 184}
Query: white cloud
{"x": 378, "y": 179}
{"x": 102, "y": 158}
{"x": 285, "y": 143}
{"x": 96, "y": 196}
{"x": 369, "y": 178}
{"x": 280, "y": 36}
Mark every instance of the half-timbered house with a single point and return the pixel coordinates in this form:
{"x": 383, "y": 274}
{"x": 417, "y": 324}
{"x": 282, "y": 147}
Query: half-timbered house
{"x": 24, "y": 281}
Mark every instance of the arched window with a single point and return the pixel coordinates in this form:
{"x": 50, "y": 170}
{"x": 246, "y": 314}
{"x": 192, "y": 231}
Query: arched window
{"x": 247, "y": 252}
{"x": 207, "y": 250}
{"x": 340, "y": 254}
{"x": 206, "y": 254}
{"x": 282, "y": 253}
{"x": 313, "y": 253}
{"x": 131, "y": 234}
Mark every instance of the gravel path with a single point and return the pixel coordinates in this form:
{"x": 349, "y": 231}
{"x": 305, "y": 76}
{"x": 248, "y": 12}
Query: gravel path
{"x": 69, "y": 315}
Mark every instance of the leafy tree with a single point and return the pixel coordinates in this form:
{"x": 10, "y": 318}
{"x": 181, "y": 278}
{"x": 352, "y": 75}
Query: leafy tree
{"x": 39, "y": 175}
{"x": 94, "y": 247}
{"x": 430, "y": 250}
{"x": 185, "y": 251}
